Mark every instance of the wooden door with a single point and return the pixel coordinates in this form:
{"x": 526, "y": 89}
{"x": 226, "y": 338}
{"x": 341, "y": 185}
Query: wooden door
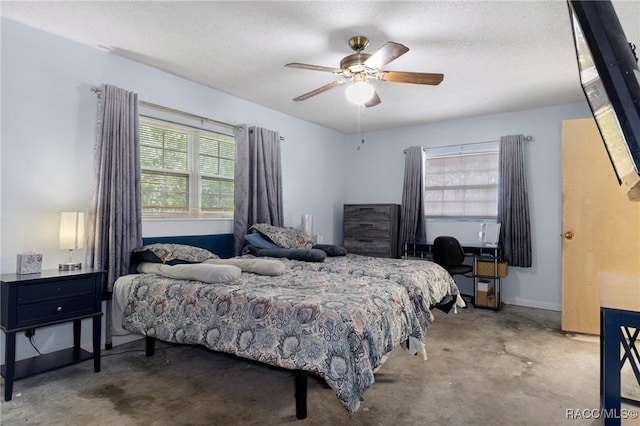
{"x": 600, "y": 226}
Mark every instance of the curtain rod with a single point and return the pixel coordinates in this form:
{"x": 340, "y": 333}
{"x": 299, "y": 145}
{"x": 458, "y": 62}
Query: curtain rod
{"x": 177, "y": 111}
{"x": 526, "y": 138}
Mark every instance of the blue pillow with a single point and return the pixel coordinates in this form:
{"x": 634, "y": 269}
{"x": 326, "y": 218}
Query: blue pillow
{"x": 258, "y": 241}
{"x": 331, "y": 249}
{"x": 306, "y": 255}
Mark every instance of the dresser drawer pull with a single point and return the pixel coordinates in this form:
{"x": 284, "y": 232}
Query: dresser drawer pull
{"x": 59, "y": 309}
{"x": 365, "y": 241}
{"x": 362, "y": 209}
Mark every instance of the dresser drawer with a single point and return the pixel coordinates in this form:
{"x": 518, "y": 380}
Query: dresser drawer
{"x": 53, "y": 310}
{"x": 54, "y": 290}
{"x": 367, "y": 229}
{"x": 369, "y": 212}
{"x": 378, "y": 247}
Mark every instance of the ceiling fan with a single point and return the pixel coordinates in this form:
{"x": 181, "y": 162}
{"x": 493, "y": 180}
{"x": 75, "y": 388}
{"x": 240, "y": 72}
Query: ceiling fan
{"x": 359, "y": 67}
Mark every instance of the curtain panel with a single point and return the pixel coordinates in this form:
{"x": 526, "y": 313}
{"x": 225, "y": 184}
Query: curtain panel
{"x": 412, "y": 221}
{"x": 513, "y": 203}
{"x": 258, "y": 182}
{"x": 115, "y": 214}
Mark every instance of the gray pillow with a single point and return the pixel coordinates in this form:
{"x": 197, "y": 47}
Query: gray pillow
{"x": 257, "y": 266}
{"x": 306, "y": 255}
{"x": 204, "y": 272}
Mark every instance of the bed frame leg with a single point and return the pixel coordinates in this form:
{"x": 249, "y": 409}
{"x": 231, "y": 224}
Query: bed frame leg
{"x": 301, "y": 394}
{"x": 150, "y": 345}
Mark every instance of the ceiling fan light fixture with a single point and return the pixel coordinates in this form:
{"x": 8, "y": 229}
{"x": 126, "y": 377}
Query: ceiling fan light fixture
{"x": 359, "y": 92}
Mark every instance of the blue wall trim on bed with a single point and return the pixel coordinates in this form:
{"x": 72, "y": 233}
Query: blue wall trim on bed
{"x": 220, "y": 244}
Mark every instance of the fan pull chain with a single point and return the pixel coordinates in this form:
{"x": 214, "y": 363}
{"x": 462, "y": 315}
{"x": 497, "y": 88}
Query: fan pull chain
{"x": 360, "y": 125}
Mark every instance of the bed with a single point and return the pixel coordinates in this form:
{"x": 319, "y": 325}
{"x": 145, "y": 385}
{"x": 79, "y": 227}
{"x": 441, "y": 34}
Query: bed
{"x": 325, "y": 319}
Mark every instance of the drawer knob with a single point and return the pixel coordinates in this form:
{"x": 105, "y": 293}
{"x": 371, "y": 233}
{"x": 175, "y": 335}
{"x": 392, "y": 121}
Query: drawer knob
{"x": 59, "y": 309}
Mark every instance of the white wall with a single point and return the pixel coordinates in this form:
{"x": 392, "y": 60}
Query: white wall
{"x": 48, "y": 133}
{"x": 376, "y": 172}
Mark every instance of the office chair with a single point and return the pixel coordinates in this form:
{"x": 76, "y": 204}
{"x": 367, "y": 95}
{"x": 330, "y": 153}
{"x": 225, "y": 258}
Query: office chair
{"x": 447, "y": 252}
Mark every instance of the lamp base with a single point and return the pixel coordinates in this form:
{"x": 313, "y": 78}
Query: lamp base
{"x": 70, "y": 266}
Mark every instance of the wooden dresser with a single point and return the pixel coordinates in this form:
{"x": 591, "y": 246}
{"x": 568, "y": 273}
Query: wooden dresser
{"x": 371, "y": 229}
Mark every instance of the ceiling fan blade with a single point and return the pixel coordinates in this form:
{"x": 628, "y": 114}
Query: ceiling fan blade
{"x": 313, "y": 67}
{"x": 387, "y": 53}
{"x": 319, "y": 90}
{"x": 412, "y": 77}
{"x": 375, "y": 100}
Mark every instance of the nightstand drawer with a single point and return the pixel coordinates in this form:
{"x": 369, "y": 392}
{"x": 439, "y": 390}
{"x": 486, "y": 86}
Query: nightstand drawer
{"x": 55, "y": 290}
{"x": 54, "y": 310}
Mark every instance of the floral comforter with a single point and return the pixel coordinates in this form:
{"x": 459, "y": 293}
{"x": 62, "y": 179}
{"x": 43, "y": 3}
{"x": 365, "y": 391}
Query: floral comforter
{"x": 340, "y": 327}
{"x": 427, "y": 283}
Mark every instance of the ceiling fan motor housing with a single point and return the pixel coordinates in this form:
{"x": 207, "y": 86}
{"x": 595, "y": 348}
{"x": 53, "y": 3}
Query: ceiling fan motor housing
{"x": 354, "y": 63}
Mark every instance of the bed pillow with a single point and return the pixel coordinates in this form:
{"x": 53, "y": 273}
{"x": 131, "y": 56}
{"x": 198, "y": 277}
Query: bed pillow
{"x": 204, "y": 272}
{"x": 331, "y": 250}
{"x": 141, "y": 255}
{"x": 258, "y": 241}
{"x": 171, "y": 254}
{"x": 284, "y": 237}
{"x": 306, "y": 255}
{"x": 269, "y": 267}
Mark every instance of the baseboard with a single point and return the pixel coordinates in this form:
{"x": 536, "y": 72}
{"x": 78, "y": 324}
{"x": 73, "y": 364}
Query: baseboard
{"x": 533, "y": 304}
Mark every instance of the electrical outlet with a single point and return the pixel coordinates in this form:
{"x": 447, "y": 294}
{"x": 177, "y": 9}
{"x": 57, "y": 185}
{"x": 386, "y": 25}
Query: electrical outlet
{"x": 30, "y": 332}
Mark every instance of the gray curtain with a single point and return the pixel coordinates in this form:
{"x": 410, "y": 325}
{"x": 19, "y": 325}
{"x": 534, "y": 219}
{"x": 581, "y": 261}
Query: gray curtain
{"x": 258, "y": 182}
{"x": 412, "y": 223}
{"x": 513, "y": 202}
{"x": 115, "y": 220}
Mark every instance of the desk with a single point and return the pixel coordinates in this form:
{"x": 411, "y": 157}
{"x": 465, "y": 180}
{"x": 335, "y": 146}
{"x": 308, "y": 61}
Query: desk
{"x": 615, "y": 331}
{"x": 619, "y": 328}
{"x": 422, "y": 249}
{"x": 486, "y": 285}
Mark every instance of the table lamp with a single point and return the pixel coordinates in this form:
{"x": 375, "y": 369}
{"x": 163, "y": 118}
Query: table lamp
{"x": 71, "y": 237}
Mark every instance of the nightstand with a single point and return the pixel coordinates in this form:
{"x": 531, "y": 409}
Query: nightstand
{"x": 39, "y": 300}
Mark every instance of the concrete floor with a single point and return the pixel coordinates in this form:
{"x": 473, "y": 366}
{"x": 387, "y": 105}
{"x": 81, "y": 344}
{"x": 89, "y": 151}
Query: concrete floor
{"x": 512, "y": 367}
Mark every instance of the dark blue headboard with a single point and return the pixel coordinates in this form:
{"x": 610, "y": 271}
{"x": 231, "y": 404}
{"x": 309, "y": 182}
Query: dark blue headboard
{"x": 220, "y": 244}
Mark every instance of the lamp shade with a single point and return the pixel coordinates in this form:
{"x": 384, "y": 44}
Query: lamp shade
{"x": 71, "y": 230}
{"x": 359, "y": 92}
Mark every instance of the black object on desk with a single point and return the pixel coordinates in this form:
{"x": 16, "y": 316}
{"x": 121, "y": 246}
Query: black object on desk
{"x": 38, "y": 300}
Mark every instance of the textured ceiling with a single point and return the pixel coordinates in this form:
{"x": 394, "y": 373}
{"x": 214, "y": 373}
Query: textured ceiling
{"x": 497, "y": 56}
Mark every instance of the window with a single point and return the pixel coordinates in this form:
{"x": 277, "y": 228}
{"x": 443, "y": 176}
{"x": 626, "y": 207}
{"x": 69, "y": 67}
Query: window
{"x": 462, "y": 185}
{"x": 186, "y": 171}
